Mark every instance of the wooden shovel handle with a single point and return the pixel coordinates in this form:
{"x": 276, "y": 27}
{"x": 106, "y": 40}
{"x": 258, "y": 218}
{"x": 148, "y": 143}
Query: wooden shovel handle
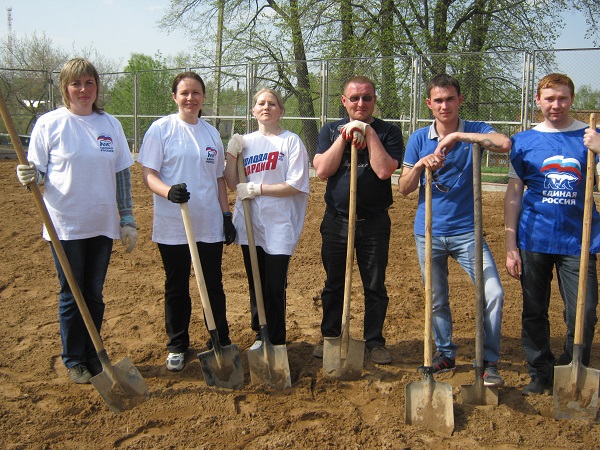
{"x": 58, "y": 248}
{"x": 260, "y": 305}
{"x": 585, "y": 241}
{"x": 204, "y": 298}
{"x": 349, "y": 250}
{"x": 428, "y": 276}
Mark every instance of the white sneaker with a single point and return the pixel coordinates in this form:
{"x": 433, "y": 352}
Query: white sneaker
{"x": 175, "y": 361}
{"x": 256, "y": 345}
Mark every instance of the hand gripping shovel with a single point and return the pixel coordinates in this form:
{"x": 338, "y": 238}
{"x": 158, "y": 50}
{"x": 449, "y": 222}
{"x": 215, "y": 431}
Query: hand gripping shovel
{"x": 343, "y": 356}
{"x": 429, "y": 403}
{"x": 221, "y": 366}
{"x": 268, "y": 363}
{"x": 478, "y": 393}
{"x": 121, "y": 386}
{"x": 576, "y": 386}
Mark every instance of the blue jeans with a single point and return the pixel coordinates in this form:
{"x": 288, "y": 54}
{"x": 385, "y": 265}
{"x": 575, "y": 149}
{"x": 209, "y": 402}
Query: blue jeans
{"x": 462, "y": 249}
{"x": 89, "y": 259}
{"x": 536, "y": 281}
{"x": 371, "y": 241}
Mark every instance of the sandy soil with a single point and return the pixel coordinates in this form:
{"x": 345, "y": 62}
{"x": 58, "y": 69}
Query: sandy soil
{"x": 40, "y": 408}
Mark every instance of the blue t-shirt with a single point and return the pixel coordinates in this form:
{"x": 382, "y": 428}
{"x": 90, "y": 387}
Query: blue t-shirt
{"x": 553, "y": 167}
{"x": 453, "y": 210}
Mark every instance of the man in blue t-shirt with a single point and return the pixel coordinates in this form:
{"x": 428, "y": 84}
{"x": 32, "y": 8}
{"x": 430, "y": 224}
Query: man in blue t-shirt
{"x": 445, "y": 148}
{"x": 380, "y": 147}
{"x": 543, "y": 228}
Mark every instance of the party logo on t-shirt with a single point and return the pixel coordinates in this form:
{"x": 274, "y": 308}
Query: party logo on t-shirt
{"x": 106, "y": 143}
{"x": 561, "y": 176}
{"x": 261, "y": 162}
{"x": 211, "y": 155}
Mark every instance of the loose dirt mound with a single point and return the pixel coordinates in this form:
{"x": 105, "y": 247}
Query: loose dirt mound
{"x": 40, "y": 408}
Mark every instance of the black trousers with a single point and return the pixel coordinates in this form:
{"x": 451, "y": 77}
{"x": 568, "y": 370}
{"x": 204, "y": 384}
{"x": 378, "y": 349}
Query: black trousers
{"x": 371, "y": 243}
{"x": 273, "y": 278}
{"x": 178, "y": 305}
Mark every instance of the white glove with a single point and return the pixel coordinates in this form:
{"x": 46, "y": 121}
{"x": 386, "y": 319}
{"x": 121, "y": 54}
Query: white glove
{"x": 248, "y": 190}
{"x": 27, "y": 173}
{"x": 235, "y": 145}
{"x": 129, "y": 234}
{"x": 355, "y": 131}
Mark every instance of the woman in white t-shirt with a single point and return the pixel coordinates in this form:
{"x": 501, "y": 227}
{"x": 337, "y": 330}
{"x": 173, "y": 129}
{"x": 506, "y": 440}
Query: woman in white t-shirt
{"x": 276, "y": 164}
{"x": 83, "y": 157}
{"x": 183, "y": 158}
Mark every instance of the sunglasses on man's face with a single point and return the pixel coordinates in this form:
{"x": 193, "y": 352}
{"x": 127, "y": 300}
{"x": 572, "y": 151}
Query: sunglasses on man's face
{"x": 356, "y": 98}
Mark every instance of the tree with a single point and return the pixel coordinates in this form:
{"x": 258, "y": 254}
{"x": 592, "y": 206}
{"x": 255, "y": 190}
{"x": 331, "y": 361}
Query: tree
{"x": 147, "y": 80}
{"x": 587, "y": 98}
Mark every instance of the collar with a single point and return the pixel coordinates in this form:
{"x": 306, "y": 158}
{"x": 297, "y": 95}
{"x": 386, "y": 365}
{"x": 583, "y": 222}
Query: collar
{"x": 433, "y": 134}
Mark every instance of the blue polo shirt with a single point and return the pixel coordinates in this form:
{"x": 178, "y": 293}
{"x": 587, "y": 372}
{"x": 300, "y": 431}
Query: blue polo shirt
{"x": 453, "y": 210}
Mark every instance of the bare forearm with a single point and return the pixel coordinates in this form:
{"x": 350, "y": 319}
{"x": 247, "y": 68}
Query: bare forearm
{"x": 494, "y": 142}
{"x": 381, "y": 162}
{"x": 409, "y": 180}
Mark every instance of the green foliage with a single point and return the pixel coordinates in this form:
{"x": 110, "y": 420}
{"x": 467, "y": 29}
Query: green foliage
{"x": 587, "y": 98}
{"x": 148, "y": 80}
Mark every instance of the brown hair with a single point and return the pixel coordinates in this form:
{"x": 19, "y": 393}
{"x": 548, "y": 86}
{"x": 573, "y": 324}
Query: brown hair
{"x": 73, "y": 70}
{"x": 359, "y": 79}
{"x": 182, "y": 76}
{"x": 553, "y": 80}
{"x": 443, "y": 80}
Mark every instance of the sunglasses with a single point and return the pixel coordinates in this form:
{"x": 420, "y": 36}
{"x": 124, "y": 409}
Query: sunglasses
{"x": 356, "y": 98}
{"x": 442, "y": 187}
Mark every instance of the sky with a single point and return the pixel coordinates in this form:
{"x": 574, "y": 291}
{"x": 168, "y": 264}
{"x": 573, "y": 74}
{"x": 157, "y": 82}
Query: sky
{"x": 117, "y": 28}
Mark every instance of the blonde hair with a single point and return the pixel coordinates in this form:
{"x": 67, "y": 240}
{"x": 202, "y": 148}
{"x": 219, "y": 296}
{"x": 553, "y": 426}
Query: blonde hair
{"x": 276, "y": 94}
{"x": 73, "y": 70}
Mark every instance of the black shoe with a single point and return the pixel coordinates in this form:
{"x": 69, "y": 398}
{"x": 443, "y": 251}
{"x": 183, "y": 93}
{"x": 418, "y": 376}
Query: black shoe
{"x": 440, "y": 364}
{"x": 537, "y": 387}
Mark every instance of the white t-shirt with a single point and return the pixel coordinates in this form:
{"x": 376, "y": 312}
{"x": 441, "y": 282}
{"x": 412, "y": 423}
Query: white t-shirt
{"x": 190, "y": 154}
{"x": 277, "y": 221}
{"x": 80, "y": 156}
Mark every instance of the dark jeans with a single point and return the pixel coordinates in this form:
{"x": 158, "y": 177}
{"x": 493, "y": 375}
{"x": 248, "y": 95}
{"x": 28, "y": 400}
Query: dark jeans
{"x": 89, "y": 259}
{"x": 371, "y": 242}
{"x": 178, "y": 304}
{"x": 273, "y": 278}
{"x": 535, "y": 281}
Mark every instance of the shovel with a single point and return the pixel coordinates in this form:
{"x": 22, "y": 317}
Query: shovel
{"x": 576, "y": 386}
{"x": 478, "y": 393}
{"x": 429, "y": 403}
{"x": 221, "y": 366}
{"x": 343, "y": 356}
{"x": 121, "y": 386}
{"x": 268, "y": 363}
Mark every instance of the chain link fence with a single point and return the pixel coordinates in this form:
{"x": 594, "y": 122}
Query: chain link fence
{"x": 499, "y": 88}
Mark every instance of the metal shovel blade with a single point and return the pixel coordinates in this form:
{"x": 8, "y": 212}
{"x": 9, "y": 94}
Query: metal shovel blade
{"x": 429, "y": 404}
{"x": 121, "y": 386}
{"x": 478, "y": 393}
{"x": 334, "y": 363}
{"x": 269, "y": 364}
{"x": 222, "y": 367}
{"x": 576, "y": 392}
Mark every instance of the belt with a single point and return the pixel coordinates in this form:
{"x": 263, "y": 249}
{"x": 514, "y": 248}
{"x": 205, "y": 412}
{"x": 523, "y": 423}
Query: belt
{"x": 359, "y": 217}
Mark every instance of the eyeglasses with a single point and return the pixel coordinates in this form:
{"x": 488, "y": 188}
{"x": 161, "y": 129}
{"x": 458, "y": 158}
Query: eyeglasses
{"x": 356, "y": 98}
{"x": 442, "y": 187}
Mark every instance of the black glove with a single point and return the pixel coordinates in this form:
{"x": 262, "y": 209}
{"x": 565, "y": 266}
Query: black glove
{"x": 178, "y": 193}
{"x": 228, "y": 228}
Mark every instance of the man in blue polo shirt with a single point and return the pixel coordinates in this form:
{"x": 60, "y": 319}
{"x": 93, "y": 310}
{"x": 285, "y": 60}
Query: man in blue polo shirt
{"x": 445, "y": 147}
